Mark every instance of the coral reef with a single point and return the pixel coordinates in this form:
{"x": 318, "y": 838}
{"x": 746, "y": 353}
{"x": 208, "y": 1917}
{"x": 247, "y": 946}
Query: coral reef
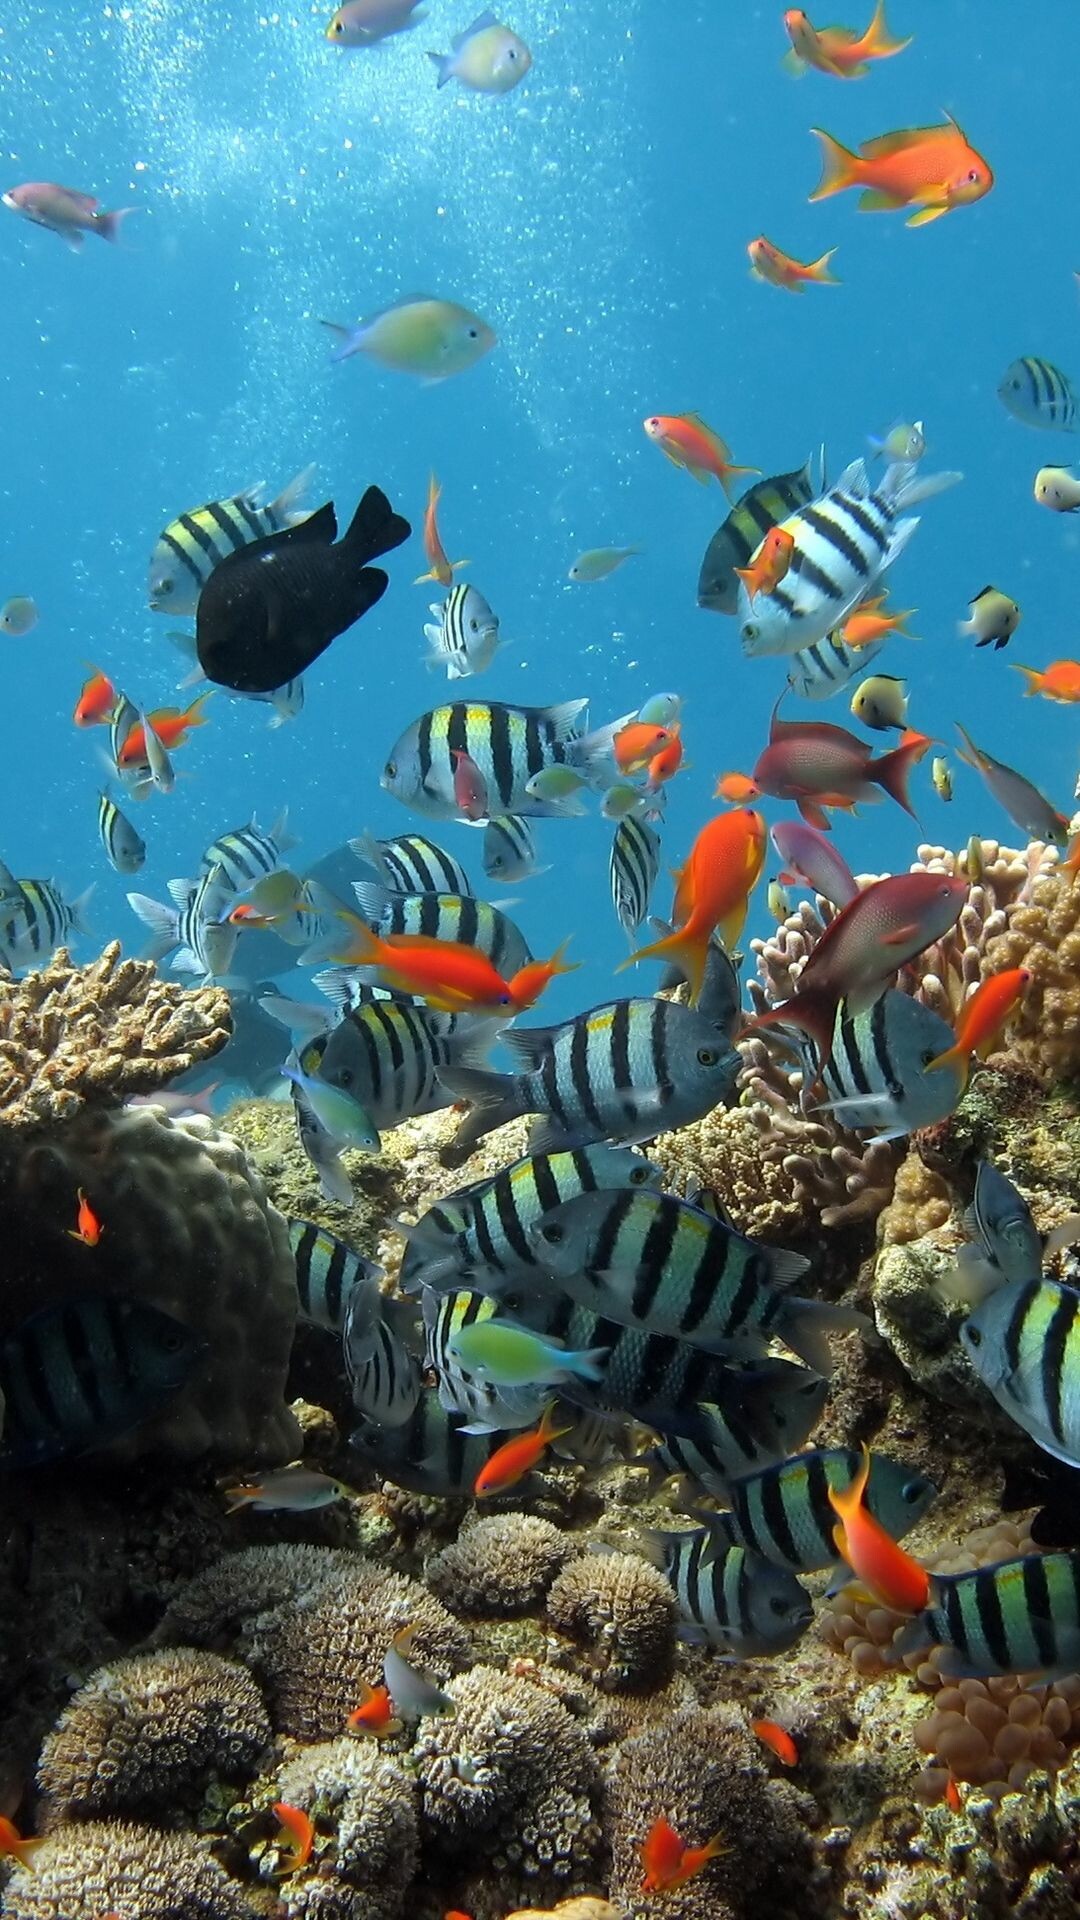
{"x": 370, "y": 1804}
{"x": 501, "y": 1564}
{"x": 85, "y": 1872}
{"x": 147, "y": 1734}
{"x": 623, "y": 1612}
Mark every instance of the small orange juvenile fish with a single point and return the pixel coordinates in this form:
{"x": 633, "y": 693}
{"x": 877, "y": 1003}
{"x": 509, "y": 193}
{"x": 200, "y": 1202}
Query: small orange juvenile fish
{"x": 769, "y": 564}
{"x": 1059, "y": 681}
{"x": 778, "y": 1740}
{"x": 780, "y": 270}
{"x": 442, "y": 569}
{"x": 300, "y": 1831}
{"x": 982, "y": 1018}
{"x": 88, "y": 1227}
{"x": 97, "y": 701}
{"x": 518, "y": 1456}
{"x": 890, "y": 1575}
{"x": 375, "y": 1714}
{"x": 668, "y": 1862}
{"x": 172, "y": 726}
{"x": 688, "y": 442}
{"x": 868, "y": 623}
{"x": 838, "y": 50}
{"x": 932, "y": 169}
{"x": 14, "y": 1846}
{"x": 635, "y": 745}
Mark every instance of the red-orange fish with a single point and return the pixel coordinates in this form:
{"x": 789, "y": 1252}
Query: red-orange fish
{"x": 712, "y": 892}
{"x": 442, "y": 569}
{"x": 88, "y": 1227}
{"x": 669, "y": 1862}
{"x": 97, "y": 701}
{"x": 688, "y": 442}
{"x": 838, "y": 50}
{"x": 1059, "y": 681}
{"x": 778, "y": 1740}
{"x": 297, "y": 1834}
{"x": 172, "y": 726}
{"x": 375, "y": 1714}
{"x": 890, "y": 1575}
{"x": 982, "y": 1018}
{"x": 780, "y": 270}
{"x": 13, "y": 1845}
{"x": 518, "y": 1456}
{"x": 769, "y": 564}
{"x": 932, "y": 169}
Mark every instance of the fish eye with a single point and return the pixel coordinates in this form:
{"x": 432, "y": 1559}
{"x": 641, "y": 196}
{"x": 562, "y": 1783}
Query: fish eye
{"x": 707, "y": 1056}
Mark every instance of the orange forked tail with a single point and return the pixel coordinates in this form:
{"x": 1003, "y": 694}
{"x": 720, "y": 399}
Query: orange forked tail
{"x": 839, "y": 168}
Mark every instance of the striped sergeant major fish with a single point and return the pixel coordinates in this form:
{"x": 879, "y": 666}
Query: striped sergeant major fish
{"x": 509, "y": 850}
{"x": 125, "y": 849}
{"x": 82, "y": 1371}
{"x": 784, "y": 1512}
{"x": 383, "y": 1374}
{"x": 635, "y": 863}
{"x": 445, "y": 916}
{"x": 327, "y": 1274}
{"x": 204, "y": 943}
{"x": 762, "y": 507}
{"x": 625, "y": 1071}
{"x": 482, "y": 1234}
{"x": 193, "y": 544}
{"x": 655, "y": 1263}
{"x": 247, "y": 854}
{"x": 40, "y": 922}
{"x": 508, "y": 745}
{"x": 817, "y": 672}
{"x": 876, "y": 1073}
{"x": 488, "y": 1408}
{"x": 410, "y": 863}
{"x": 432, "y": 1452}
{"x": 767, "y": 1411}
{"x": 390, "y": 1056}
{"x": 1020, "y": 1616}
{"x": 465, "y": 635}
{"x": 844, "y": 541}
{"x": 1038, "y": 394}
{"x": 1024, "y": 1343}
{"x": 732, "y": 1599}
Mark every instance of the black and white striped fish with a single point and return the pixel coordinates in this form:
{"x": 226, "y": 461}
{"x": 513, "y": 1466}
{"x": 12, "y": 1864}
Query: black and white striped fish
{"x": 766, "y": 1412}
{"x": 40, "y": 922}
{"x": 124, "y": 848}
{"x": 1020, "y": 1616}
{"x": 509, "y": 849}
{"x": 732, "y": 1599}
{"x": 465, "y": 635}
{"x": 785, "y": 1514}
{"x": 445, "y": 916}
{"x": 817, "y": 672}
{"x": 1037, "y": 393}
{"x": 635, "y": 863}
{"x": 383, "y": 1374}
{"x": 844, "y": 541}
{"x": 487, "y": 1408}
{"x": 193, "y": 544}
{"x": 327, "y": 1274}
{"x": 627, "y": 1070}
{"x": 480, "y": 1237}
{"x": 247, "y": 854}
{"x": 411, "y": 863}
{"x": 84, "y": 1370}
{"x": 390, "y": 1055}
{"x": 507, "y": 745}
{"x": 204, "y": 943}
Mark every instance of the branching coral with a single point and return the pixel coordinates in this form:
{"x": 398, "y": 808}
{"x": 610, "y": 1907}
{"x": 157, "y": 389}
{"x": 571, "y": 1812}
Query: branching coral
{"x": 85, "y": 1872}
{"x": 71, "y": 1034}
{"x": 503, "y": 1563}
{"x": 623, "y": 1611}
{"x": 369, "y": 1804}
{"x": 147, "y": 1734}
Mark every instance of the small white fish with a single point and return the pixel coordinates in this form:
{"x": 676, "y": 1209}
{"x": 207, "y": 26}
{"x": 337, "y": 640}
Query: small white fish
{"x": 487, "y": 57}
{"x": 597, "y": 563}
{"x": 295, "y": 1489}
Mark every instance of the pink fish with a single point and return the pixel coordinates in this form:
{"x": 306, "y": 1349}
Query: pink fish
{"x": 812, "y": 861}
{"x": 64, "y": 211}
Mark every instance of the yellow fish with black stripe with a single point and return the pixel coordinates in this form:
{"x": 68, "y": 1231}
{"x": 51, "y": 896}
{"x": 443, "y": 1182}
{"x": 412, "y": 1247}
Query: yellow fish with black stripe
{"x": 193, "y": 544}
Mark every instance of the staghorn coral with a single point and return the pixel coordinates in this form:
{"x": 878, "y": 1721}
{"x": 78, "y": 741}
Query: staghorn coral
{"x": 1043, "y": 935}
{"x": 703, "y": 1772}
{"x": 623, "y": 1610}
{"x": 147, "y": 1734}
{"x": 510, "y": 1774}
{"x": 87, "y": 1871}
{"x": 71, "y": 1035}
{"x": 314, "y": 1624}
{"x": 370, "y": 1804}
{"x": 503, "y": 1563}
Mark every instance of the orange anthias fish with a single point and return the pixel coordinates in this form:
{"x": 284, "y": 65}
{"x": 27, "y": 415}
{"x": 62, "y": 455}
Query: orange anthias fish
{"x": 932, "y": 169}
{"x": 172, "y": 726}
{"x": 450, "y": 976}
{"x": 889, "y": 1574}
{"x": 688, "y": 442}
{"x": 635, "y": 745}
{"x": 838, "y": 50}
{"x": 442, "y": 569}
{"x": 1059, "y": 681}
{"x": 780, "y": 270}
{"x": 518, "y": 1456}
{"x": 14, "y": 1846}
{"x": 868, "y": 623}
{"x": 375, "y": 1714}
{"x": 668, "y": 1862}
{"x": 778, "y": 1740}
{"x": 88, "y": 1227}
{"x": 298, "y": 1833}
{"x": 712, "y": 892}
{"x": 96, "y": 703}
{"x": 982, "y": 1018}
{"x": 769, "y": 563}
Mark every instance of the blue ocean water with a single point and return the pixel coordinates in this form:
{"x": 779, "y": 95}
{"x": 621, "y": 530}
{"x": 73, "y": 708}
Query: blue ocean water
{"x": 598, "y": 217}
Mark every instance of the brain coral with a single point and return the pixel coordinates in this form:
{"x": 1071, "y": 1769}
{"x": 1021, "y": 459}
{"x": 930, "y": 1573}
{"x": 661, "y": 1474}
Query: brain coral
{"x": 503, "y": 1563}
{"x": 148, "y": 1733}
{"x": 624, "y": 1611}
{"x": 85, "y": 1872}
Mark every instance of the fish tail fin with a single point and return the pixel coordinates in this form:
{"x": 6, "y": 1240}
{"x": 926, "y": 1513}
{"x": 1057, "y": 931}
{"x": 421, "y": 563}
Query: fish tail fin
{"x": 687, "y": 948}
{"x": 804, "y": 1326}
{"x": 878, "y": 40}
{"x": 1032, "y": 676}
{"x": 444, "y": 65}
{"x": 839, "y": 167}
{"x": 286, "y": 508}
{"x": 819, "y": 270}
{"x": 893, "y": 770}
{"x": 109, "y": 224}
{"x": 374, "y": 528}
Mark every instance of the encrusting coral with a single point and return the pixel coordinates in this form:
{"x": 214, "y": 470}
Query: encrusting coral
{"x": 146, "y": 1734}
{"x": 623, "y": 1612}
{"x": 368, "y": 1804}
{"x": 500, "y": 1564}
{"x": 87, "y": 1871}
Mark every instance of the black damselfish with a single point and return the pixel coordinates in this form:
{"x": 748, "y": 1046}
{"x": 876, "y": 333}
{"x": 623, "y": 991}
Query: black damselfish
{"x": 269, "y": 610}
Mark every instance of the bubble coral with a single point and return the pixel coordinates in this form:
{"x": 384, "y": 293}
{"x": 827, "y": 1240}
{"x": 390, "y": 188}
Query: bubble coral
{"x": 703, "y": 1772}
{"x": 314, "y": 1624}
{"x": 87, "y": 1871}
{"x": 624, "y": 1611}
{"x": 503, "y": 1563}
{"x": 147, "y": 1734}
{"x": 370, "y": 1804}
